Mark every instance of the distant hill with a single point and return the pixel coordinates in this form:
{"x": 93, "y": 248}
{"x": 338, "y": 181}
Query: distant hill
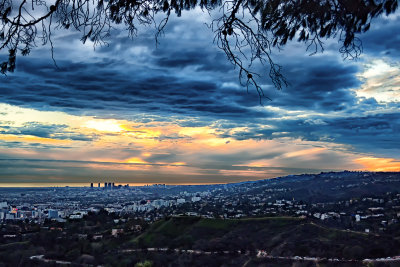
{"x": 279, "y": 236}
{"x": 325, "y": 187}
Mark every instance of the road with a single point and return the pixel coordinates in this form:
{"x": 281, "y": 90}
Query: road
{"x": 259, "y": 254}
{"x": 264, "y": 254}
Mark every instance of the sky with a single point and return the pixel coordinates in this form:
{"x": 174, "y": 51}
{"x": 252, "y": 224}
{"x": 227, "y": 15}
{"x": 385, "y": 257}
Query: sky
{"x": 175, "y": 113}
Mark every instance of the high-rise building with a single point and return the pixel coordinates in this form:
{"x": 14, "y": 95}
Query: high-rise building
{"x": 53, "y": 214}
{"x": 3, "y": 205}
{"x": 91, "y": 185}
{"x": 99, "y": 185}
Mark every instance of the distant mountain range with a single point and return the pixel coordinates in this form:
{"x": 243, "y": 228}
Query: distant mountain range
{"x": 326, "y": 186}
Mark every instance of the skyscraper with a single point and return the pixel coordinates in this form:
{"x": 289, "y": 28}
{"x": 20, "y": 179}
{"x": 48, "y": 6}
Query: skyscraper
{"x": 53, "y": 214}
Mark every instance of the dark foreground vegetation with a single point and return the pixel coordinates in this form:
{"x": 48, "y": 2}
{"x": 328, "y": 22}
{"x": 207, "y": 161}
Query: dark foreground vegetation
{"x": 191, "y": 241}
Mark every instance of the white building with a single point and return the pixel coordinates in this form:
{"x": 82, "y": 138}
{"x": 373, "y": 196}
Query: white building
{"x": 195, "y": 199}
{"x": 180, "y": 200}
{"x": 10, "y": 216}
{"x": 3, "y": 205}
{"x": 116, "y": 232}
{"x": 76, "y": 216}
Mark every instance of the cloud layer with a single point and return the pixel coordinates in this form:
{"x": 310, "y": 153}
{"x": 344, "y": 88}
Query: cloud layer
{"x": 182, "y": 104}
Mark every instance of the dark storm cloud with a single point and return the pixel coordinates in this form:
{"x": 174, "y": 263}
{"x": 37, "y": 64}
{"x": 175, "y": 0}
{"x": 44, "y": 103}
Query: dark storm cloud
{"x": 181, "y": 76}
{"x": 54, "y": 131}
{"x": 369, "y": 133}
{"x": 36, "y": 146}
{"x": 200, "y": 59}
{"x": 319, "y": 84}
{"x": 378, "y": 133}
{"x": 169, "y": 79}
{"x": 95, "y": 87}
{"x": 35, "y": 129}
{"x": 383, "y": 38}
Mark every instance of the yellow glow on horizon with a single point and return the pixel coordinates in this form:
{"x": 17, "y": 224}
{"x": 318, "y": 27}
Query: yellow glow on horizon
{"x": 379, "y": 164}
{"x": 249, "y": 173}
{"x": 256, "y": 164}
{"x": 167, "y": 148}
{"x": 173, "y": 163}
{"x": 135, "y": 160}
{"x": 18, "y": 116}
{"x": 178, "y": 163}
{"x": 33, "y": 139}
{"x": 146, "y": 154}
{"x": 144, "y": 133}
{"x": 104, "y": 125}
{"x": 116, "y": 167}
{"x": 304, "y": 152}
{"x": 196, "y": 131}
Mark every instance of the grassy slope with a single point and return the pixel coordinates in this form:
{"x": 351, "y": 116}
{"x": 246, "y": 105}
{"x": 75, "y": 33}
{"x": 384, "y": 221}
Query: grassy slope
{"x": 284, "y": 236}
{"x": 176, "y": 227}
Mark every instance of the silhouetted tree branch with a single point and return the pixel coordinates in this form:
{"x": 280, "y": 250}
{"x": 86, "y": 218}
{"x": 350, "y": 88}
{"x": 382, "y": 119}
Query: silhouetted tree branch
{"x": 246, "y": 30}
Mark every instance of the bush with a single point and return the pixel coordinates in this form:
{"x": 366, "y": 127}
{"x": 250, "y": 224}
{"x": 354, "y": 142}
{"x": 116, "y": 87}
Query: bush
{"x": 144, "y": 264}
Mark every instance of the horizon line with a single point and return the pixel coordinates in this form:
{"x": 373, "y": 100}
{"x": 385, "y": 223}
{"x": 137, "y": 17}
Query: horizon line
{"x": 138, "y": 184}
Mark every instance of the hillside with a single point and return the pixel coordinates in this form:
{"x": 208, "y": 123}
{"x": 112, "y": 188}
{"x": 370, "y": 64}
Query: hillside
{"x": 325, "y": 187}
{"x": 279, "y": 236}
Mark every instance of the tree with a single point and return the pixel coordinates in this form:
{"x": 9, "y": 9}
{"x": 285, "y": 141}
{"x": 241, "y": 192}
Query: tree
{"x": 144, "y": 264}
{"x": 246, "y": 30}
